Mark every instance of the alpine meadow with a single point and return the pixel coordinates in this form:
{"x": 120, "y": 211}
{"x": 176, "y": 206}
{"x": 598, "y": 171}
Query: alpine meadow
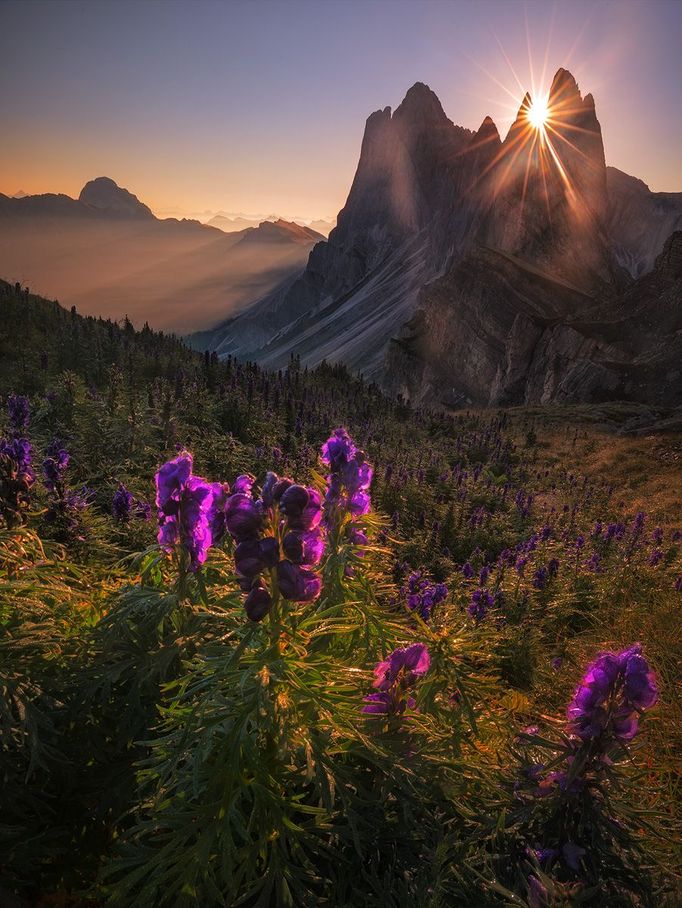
{"x": 340, "y": 557}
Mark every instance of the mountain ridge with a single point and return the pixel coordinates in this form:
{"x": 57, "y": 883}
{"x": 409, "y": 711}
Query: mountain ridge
{"x": 428, "y": 194}
{"x": 107, "y": 253}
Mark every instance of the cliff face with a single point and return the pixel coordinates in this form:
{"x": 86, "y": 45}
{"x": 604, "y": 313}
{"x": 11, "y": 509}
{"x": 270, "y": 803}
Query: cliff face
{"x": 496, "y": 331}
{"x": 467, "y": 268}
{"x": 639, "y": 221}
{"x": 390, "y": 238}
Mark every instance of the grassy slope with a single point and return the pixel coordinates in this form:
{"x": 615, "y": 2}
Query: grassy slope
{"x": 147, "y": 393}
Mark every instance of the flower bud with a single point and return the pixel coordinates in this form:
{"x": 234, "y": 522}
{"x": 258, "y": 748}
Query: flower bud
{"x": 258, "y": 603}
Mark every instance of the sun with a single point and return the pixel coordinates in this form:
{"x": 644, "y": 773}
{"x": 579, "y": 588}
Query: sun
{"x": 538, "y": 112}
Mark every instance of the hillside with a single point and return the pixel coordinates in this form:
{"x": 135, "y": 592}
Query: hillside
{"x": 509, "y": 547}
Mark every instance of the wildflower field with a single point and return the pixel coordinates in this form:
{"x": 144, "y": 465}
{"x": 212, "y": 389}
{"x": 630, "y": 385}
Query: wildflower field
{"x": 276, "y": 639}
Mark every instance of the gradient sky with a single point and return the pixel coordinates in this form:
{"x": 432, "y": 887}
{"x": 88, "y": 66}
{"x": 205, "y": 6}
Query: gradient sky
{"x": 260, "y": 106}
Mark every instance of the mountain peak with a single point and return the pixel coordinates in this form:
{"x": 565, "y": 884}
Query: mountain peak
{"x": 564, "y": 87}
{"x": 105, "y": 194}
{"x": 487, "y": 131}
{"x": 421, "y": 103}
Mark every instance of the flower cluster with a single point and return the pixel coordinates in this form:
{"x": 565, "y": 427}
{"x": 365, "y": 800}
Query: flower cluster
{"x": 18, "y": 411}
{"x": 278, "y": 534}
{"x": 55, "y": 465}
{"x": 394, "y": 680}
{"x": 349, "y": 479}
{"x": 124, "y": 506}
{"x": 16, "y": 477}
{"x": 616, "y": 688}
{"x": 422, "y": 595}
{"x": 185, "y": 505}
{"x": 481, "y": 603}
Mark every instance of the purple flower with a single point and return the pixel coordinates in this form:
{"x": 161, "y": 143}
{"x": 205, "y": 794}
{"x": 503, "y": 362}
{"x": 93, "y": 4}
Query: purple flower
{"x": 258, "y": 603}
{"x": 122, "y": 503}
{"x": 16, "y": 477}
{"x": 302, "y": 507}
{"x": 481, "y": 602}
{"x": 394, "y": 678}
{"x": 248, "y": 558}
{"x": 615, "y": 531}
{"x": 594, "y": 563}
{"x": 542, "y": 855}
{"x": 338, "y": 449}
{"x": 55, "y": 465}
{"x": 304, "y": 547}
{"x": 18, "y": 410}
{"x": 413, "y": 661}
{"x": 349, "y": 478}
{"x": 358, "y": 538}
{"x": 422, "y": 595}
{"x": 612, "y": 693}
{"x": 269, "y": 551}
{"x": 244, "y": 483}
{"x": 520, "y": 566}
{"x": 194, "y": 525}
{"x": 216, "y": 516}
{"x": 297, "y": 583}
{"x": 540, "y": 578}
{"x": 243, "y": 517}
{"x": 184, "y": 502}
{"x": 18, "y": 451}
{"x": 297, "y": 512}
{"x": 143, "y": 510}
{"x": 170, "y": 481}
{"x": 655, "y": 557}
{"x": 467, "y": 571}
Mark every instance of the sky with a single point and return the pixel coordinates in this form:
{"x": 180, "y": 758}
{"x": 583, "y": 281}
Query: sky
{"x": 260, "y": 107}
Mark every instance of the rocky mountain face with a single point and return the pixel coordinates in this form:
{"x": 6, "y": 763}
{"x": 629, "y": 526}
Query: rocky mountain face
{"x": 495, "y": 331}
{"x": 639, "y": 221}
{"x": 470, "y": 269}
{"x": 386, "y": 245}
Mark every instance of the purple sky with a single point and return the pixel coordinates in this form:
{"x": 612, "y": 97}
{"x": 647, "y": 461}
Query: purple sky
{"x": 260, "y": 107}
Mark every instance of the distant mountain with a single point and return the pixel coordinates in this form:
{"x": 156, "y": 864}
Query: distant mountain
{"x": 234, "y": 224}
{"x": 639, "y": 220}
{"x": 322, "y": 226}
{"x": 470, "y": 269}
{"x": 19, "y": 195}
{"x": 237, "y": 223}
{"x": 282, "y": 231}
{"x": 104, "y": 195}
{"x": 106, "y": 253}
